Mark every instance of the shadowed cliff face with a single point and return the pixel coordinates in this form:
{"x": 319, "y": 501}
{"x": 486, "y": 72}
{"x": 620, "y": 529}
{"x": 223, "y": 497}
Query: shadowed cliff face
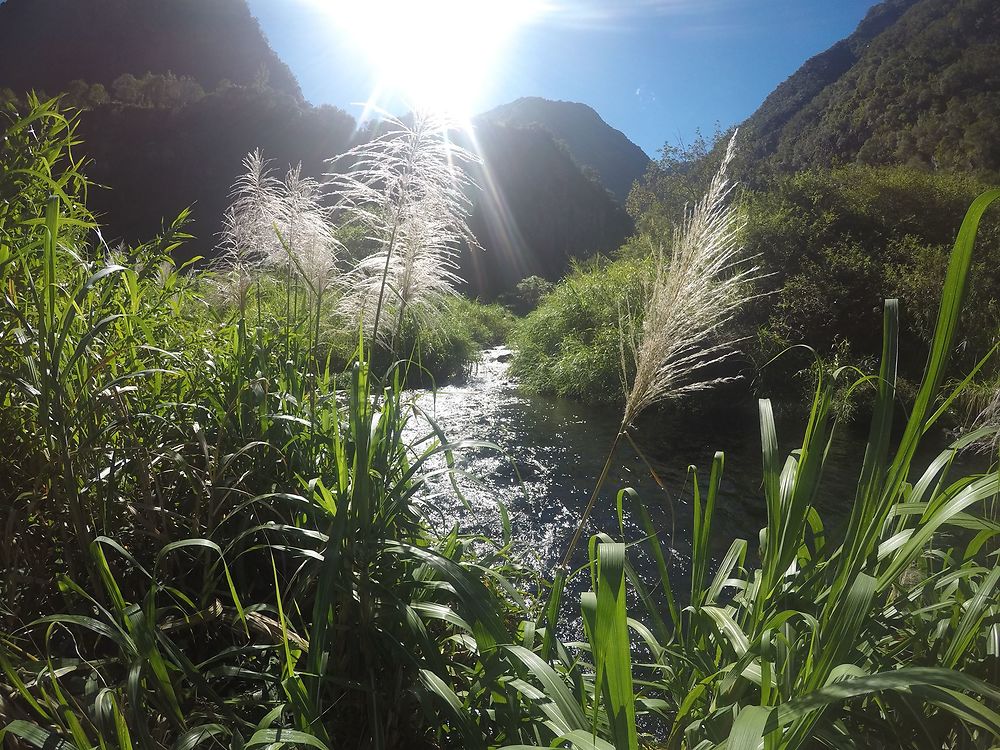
{"x": 155, "y": 162}
{"x": 593, "y": 144}
{"x": 45, "y": 44}
{"x": 536, "y": 211}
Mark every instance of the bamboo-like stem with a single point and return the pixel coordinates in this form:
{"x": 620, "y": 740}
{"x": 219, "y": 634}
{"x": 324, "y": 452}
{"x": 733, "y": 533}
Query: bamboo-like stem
{"x": 552, "y": 609}
{"x": 385, "y": 273}
{"x": 593, "y": 500}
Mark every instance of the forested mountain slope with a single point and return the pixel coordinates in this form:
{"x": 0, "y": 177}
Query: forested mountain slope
{"x": 175, "y": 93}
{"x": 917, "y": 84}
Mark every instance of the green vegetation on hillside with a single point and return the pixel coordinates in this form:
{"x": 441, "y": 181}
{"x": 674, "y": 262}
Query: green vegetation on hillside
{"x": 832, "y": 244}
{"x": 917, "y": 85}
{"x": 838, "y": 242}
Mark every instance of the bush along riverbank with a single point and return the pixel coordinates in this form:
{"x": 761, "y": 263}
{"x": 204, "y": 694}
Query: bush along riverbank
{"x": 215, "y": 537}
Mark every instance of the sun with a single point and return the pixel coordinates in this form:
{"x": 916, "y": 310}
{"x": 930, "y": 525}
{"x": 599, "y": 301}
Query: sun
{"x": 437, "y": 54}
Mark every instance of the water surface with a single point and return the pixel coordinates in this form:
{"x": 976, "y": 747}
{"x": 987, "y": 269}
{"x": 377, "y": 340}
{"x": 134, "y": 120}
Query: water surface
{"x": 549, "y": 454}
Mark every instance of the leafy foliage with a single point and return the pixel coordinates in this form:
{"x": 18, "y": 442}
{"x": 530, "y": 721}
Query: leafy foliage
{"x": 237, "y": 531}
{"x": 853, "y": 638}
{"x": 527, "y": 295}
{"x": 836, "y": 241}
{"x": 571, "y": 344}
{"x": 914, "y": 85}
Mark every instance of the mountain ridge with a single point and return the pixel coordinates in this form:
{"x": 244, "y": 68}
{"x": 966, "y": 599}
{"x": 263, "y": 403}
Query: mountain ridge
{"x": 210, "y": 41}
{"x": 594, "y": 144}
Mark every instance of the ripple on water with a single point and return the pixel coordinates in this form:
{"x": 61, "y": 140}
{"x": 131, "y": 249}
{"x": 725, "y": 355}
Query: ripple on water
{"x": 549, "y": 452}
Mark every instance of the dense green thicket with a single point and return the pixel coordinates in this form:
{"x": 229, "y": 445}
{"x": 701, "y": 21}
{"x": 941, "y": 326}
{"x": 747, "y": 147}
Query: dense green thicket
{"x": 833, "y": 243}
{"x": 839, "y": 242}
{"x": 212, "y": 537}
{"x": 444, "y": 347}
{"x": 571, "y": 345}
{"x": 226, "y": 524}
{"x": 527, "y": 295}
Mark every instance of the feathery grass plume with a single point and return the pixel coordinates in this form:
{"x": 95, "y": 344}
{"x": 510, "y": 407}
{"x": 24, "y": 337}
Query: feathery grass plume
{"x": 409, "y": 191}
{"x": 693, "y": 299}
{"x": 248, "y": 241}
{"x": 305, "y": 232}
{"x": 988, "y": 417}
{"x": 248, "y": 238}
{"x": 275, "y": 223}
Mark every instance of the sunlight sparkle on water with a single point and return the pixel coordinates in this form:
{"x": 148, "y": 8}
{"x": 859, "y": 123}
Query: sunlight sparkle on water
{"x": 436, "y": 55}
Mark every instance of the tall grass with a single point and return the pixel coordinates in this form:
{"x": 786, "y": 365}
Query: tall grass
{"x": 684, "y": 329}
{"x": 237, "y": 549}
{"x": 409, "y": 192}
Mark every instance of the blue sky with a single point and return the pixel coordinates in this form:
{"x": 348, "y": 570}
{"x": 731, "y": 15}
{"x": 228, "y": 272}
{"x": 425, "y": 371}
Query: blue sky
{"x": 655, "y": 69}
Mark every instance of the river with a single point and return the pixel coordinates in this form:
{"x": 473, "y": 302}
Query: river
{"x": 549, "y": 453}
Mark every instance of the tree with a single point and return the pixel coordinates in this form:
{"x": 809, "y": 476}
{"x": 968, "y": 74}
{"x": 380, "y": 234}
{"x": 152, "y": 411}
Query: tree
{"x": 677, "y": 179}
{"x": 98, "y": 95}
{"x": 527, "y": 294}
{"x": 126, "y": 89}
{"x": 77, "y": 94}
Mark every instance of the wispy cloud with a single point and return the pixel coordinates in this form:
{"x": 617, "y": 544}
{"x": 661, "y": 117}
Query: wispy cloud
{"x": 624, "y": 14}
{"x": 645, "y": 95}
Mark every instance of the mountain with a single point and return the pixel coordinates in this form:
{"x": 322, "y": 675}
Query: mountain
{"x": 591, "y": 142}
{"x": 917, "y": 84}
{"x": 46, "y": 44}
{"x": 536, "y": 211}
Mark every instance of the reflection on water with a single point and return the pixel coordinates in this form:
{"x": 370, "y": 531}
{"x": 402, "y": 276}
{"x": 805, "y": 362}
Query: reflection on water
{"x": 551, "y": 451}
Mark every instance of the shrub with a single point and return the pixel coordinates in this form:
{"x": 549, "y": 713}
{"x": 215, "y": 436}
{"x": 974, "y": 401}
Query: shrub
{"x": 571, "y": 345}
{"x": 527, "y": 295}
{"x": 838, "y": 241}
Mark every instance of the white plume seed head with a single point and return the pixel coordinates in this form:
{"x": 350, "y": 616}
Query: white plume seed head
{"x": 409, "y": 192}
{"x": 276, "y": 224}
{"x": 695, "y": 295}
